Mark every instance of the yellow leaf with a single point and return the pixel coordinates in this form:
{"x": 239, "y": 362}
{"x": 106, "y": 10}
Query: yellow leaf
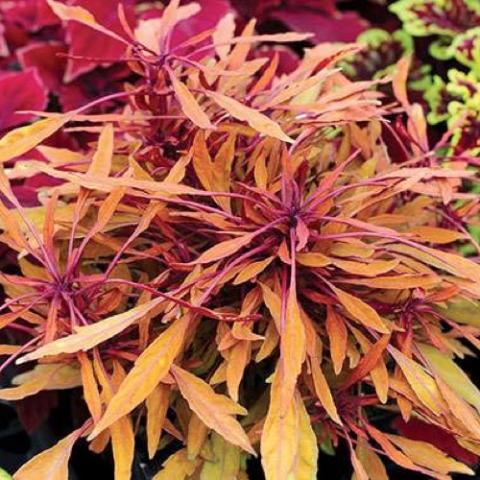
{"x": 149, "y": 369}
{"x": 238, "y": 358}
{"x": 373, "y": 269}
{"x": 451, "y": 374}
{"x": 422, "y": 384}
{"x": 361, "y": 311}
{"x": 51, "y": 376}
{"x": 102, "y": 159}
{"x": 288, "y": 444}
{"x": 157, "y": 405}
{"x": 313, "y": 259}
{"x": 322, "y": 389}
{"x": 89, "y": 336}
{"x": 51, "y": 464}
{"x": 215, "y": 410}
{"x": 462, "y": 311}
{"x": 189, "y": 104}
{"x": 279, "y": 442}
{"x": 22, "y": 139}
{"x": 292, "y": 349}
{"x": 122, "y": 434}
{"x": 258, "y": 121}
{"x": 224, "y": 249}
{"x": 426, "y": 455}
{"x": 226, "y": 462}
{"x": 176, "y": 467}
{"x": 90, "y": 387}
{"x": 252, "y": 271}
{"x": 305, "y": 467}
{"x": 373, "y": 465}
{"x": 197, "y": 434}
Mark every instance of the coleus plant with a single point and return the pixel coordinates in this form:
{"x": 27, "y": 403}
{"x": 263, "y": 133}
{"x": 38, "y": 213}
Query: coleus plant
{"x": 242, "y": 263}
{"x": 454, "y": 25}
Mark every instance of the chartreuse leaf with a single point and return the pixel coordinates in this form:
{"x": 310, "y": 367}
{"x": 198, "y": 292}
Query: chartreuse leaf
{"x": 4, "y": 475}
{"x": 452, "y": 374}
{"x": 225, "y": 463}
{"x": 462, "y": 311}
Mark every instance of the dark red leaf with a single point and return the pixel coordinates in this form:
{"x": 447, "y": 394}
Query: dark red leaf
{"x": 20, "y": 91}
{"x": 344, "y": 27}
{"x": 418, "y": 430}
{"x": 44, "y": 57}
{"x": 86, "y": 42}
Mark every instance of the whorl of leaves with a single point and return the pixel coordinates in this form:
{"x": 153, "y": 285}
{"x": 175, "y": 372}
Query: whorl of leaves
{"x": 242, "y": 263}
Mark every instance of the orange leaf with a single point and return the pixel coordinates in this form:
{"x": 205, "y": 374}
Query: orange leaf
{"x": 102, "y": 159}
{"x": 426, "y": 455}
{"x": 252, "y": 271}
{"x": 157, "y": 405}
{"x": 224, "y": 249}
{"x": 436, "y": 234}
{"x": 51, "y": 464}
{"x": 197, "y": 434}
{"x": 189, "y": 104}
{"x": 258, "y": 121}
{"x": 150, "y": 368}
{"x": 338, "y": 336}
{"x": 323, "y": 392}
{"x": 368, "y": 362}
{"x": 422, "y": 384}
{"x": 288, "y": 444}
{"x": 238, "y": 358}
{"x": 216, "y": 411}
{"x": 373, "y": 269}
{"x": 361, "y": 311}
{"x": 292, "y": 349}
{"x": 122, "y": 434}
{"x": 22, "y": 139}
{"x": 313, "y": 259}
{"x": 51, "y": 376}
{"x": 90, "y": 388}
{"x": 89, "y": 336}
